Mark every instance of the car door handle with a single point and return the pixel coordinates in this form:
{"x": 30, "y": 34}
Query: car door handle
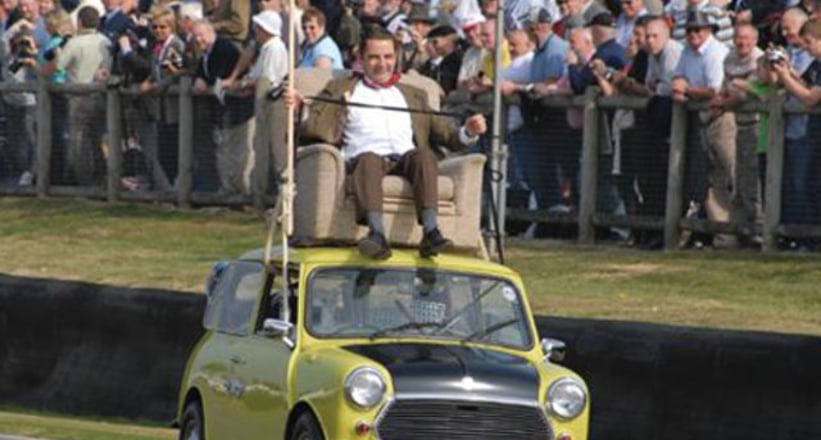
{"x": 237, "y": 359}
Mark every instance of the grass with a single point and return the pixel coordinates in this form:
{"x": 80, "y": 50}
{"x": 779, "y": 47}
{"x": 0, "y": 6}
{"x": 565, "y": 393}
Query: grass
{"x": 51, "y": 426}
{"x": 160, "y": 246}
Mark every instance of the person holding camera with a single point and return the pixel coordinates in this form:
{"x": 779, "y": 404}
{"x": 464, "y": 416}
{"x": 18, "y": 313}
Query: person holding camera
{"x": 808, "y": 90}
{"x": 21, "y": 108}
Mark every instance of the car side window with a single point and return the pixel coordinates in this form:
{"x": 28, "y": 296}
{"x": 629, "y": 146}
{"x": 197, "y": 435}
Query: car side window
{"x": 272, "y": 300}
{"x": 232, "y": 303}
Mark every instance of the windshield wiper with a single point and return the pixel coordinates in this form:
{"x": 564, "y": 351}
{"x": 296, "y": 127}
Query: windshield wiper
{"x": 406, "y": 326}
{"x": 491, "y": 329}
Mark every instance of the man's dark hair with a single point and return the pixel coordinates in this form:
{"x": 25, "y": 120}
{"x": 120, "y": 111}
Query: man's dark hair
{"x": 644, "y": 19}
{"x": 88, "y": 18}
{"x": 376, "y": 32}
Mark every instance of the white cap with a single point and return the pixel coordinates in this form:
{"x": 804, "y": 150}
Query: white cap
{"x": 269, "y": 21}
{"x": 192, "y": 10}
{"x": 468, "y": 14}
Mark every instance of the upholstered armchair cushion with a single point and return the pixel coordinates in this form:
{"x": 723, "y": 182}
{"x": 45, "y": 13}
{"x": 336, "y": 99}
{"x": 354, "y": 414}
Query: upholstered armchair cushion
{"x": 324, "y": 209}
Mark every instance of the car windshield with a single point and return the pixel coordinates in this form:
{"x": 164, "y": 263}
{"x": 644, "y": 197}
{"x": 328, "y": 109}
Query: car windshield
{"x": 421, "y": 302}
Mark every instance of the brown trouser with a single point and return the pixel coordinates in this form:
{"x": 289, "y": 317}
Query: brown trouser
{"x": 418, "y": 166}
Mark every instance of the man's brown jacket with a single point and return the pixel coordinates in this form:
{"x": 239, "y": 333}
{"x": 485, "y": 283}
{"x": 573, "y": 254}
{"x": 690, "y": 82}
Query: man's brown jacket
{"x": 326, "y": 121}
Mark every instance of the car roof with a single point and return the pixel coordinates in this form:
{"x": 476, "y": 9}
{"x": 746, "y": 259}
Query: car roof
{"x": 349, "y": 256}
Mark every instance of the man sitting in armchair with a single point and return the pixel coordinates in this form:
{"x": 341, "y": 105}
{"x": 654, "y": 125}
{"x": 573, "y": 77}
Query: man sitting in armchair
{"x": 379, "y": 141}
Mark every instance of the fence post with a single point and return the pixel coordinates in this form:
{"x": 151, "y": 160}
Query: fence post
{"x": 675, "y": 176}
{"x": 262, "y": 151}
{"x": 186, "y": 143}
{"x": 589, "y": 167}
{"x": 43, "y": 136}
{"x": 775, "y": 174}
{"x": 114, "y": 125}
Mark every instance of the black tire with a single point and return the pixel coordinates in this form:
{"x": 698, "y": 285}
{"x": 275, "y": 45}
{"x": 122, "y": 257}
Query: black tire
{"x": 306, "y": 427}
{"x": 192, "y": 426}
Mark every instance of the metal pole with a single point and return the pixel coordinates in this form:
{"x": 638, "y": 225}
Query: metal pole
{"x": 498, "y": 155}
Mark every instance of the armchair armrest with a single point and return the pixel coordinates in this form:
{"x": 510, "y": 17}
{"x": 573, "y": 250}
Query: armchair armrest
{"x": 320, "y": 183}
{"x": 466, "y": 173}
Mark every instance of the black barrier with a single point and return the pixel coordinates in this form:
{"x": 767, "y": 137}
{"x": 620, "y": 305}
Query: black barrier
{"x": 99, "y": 350}
{"x": 89, "y": 349}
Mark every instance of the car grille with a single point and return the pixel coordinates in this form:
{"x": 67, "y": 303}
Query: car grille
{"x": 454, "y": 420}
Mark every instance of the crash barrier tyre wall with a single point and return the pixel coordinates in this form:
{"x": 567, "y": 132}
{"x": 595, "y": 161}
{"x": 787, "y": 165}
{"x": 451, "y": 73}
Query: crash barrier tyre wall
{"x": 651, "y": 381}
{"x": 90, "y": 349}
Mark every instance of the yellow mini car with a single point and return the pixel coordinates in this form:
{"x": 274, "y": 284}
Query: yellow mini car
{"x": 402, "y": 349}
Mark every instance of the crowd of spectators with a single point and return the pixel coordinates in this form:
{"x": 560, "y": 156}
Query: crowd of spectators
{"x": 717, "y": 51}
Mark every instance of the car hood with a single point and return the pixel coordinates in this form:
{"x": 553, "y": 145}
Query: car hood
{"x": 454, "y": 372}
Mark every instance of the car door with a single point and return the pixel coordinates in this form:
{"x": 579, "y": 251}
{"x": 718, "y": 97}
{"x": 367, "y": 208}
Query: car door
{"x": 264, "y": 404}
{"x": 231, "y": 316}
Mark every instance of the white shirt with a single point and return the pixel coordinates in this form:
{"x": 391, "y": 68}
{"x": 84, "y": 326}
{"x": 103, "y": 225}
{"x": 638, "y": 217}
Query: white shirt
{"x": 519, "y": 72}
{"x": 471, "y": 62}
{"x": 704, "y": 67}
{"x": 377, "y": 131}
{"x": 272, "y": 63}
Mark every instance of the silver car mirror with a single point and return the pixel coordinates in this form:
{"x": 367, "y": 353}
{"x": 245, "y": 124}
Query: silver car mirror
{"x": 277, "y": 328}
{"x": 554, "y": 350}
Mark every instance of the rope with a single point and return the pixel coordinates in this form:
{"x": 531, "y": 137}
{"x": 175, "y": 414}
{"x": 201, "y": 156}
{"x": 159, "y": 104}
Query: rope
{"x": 383, "y": 107}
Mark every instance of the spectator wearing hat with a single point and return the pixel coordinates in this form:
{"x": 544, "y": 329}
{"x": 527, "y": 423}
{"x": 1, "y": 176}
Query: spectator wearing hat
{"x": 549, "y": 58}
{"x": 679, "y": 11}
{"x": 631, "y": 10}
{"x": 577, "y": 13}
{"x": 474, "y": 54}
{"x": 319, "y": 49}
{"x": 394, "y": 19}
{"x": 519, "y": 13}
{"x": 265, "y": 77}
{"x": 419, "y": 22}
{"x": 190, "y": 13}
{"x": 443, "y": 66}
{"x": 699, "y": 77}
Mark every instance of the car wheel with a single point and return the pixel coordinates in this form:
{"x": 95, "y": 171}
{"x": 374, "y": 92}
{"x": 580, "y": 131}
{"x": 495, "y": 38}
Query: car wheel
{"x": 306, "y": 428}
{"x": 193, "y": 426}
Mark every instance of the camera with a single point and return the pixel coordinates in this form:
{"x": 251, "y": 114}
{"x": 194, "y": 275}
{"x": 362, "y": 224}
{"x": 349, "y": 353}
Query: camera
{"x": 776, "y": 55}
{"x": 51, "y": 54}
{"x": 174, "y": 60}
{"x": 23, "y": 48}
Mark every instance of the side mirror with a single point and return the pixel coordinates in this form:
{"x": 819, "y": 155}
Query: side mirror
{"x": 277, "y": 328}
{"x": 554, "y": 350}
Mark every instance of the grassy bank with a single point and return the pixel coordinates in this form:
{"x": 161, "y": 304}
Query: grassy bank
{"x": 55, "y": 427}
{"x": 159, "y": 246}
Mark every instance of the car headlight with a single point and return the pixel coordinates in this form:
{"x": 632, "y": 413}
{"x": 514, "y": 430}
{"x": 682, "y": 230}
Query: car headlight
{"x": 365, "y": 387}
{"x": 566, "y": 398}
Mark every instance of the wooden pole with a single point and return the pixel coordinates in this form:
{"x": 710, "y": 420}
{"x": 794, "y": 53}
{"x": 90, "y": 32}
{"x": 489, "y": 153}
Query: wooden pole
{"x": 675, "y": 176}
{"x": 590, "y": 165}
{"x": 115, "y": 141}
{"x": 185, "y": 140}
{"x": 43, "y": 137}
{"x": 775, "y": 174}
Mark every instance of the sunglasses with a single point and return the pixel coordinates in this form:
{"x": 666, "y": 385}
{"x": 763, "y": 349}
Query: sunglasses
{"x": 159, "y": 26}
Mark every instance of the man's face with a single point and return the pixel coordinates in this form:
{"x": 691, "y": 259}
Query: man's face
{"x": 813, "y": 45}
{"x": 581, "y": 45}
{"x": 631, "y": 8}
{"x": 30, "y": 9}
{"x": 542, "y": 30}
{"x": 474, "y": 35}
{"x": 572, "y": 7}
{"x": 790, "y": 28}
{"x": 638, "y": 41}
{"x": 204, "y": 37}
{"x": 420, "y": 27}
{"x": 369, "y": 8}
{"x": 161, "y": 30}
{"x": 697, "y": 36}
{"x": 488, "y": 35}
{"x": 379, "y": 60}
{"x": 442, "y": 46}
{"x": 745, "y": 40}
{"x": 313, "y": 31}
{"x": 519, "y": 44}
{"x": 657, "y": 37}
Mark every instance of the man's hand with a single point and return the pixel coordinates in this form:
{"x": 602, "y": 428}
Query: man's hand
{"x": 680, "y": 90}
{"x": 200, "y": 85}
{"x": 293, "y": 99}
{"x": 782, "y": 69}
{"x": 509, "y": 87}
{"x": 475, "y": 125}
{"x": 146, "y": 87}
